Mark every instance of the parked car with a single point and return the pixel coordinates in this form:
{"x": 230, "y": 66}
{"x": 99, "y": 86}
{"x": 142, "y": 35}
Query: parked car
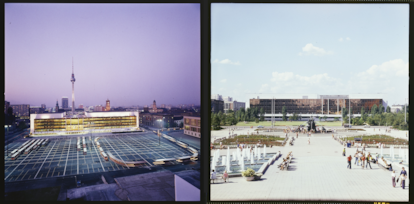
{"x": 260, "y": 126}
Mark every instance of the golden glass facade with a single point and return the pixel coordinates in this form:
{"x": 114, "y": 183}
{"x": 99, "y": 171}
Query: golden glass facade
{"x": 306, "y": 106}
{"x": 83, "y": 124}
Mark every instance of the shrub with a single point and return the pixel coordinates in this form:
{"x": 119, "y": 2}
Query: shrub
{"x": 248, "y": 173}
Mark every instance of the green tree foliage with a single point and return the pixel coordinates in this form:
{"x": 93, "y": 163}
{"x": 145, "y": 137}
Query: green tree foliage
{"x": 284, "y": 113}
{"x": 216, "y": 122}
{"x": 257, "y": 120}
{"x": 380, "y": 108}
{"x": 389, "y": 109}
{"x": 362, "y": 113}
{"x": 374, "y": 110}
{"x": 261, "y": 114}
{"x": 344, "y": 112}
{"x": 181, "y": 125}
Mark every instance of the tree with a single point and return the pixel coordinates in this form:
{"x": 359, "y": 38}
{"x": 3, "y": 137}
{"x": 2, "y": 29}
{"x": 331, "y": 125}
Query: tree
{"x": 336, "y": 118}
{"x": 166, "y": 125}
{"x": 216, "y": 123}
{"x": 344, "y": 112}
{"x": 380, "y": 108}
{"x": 374, "y": 109}
{"x": 284, "y": 113}
{"x": 362, "y": 113}
{"x": 325, "y": 117}
{"x": 181, "y": 125}
{"x": 389, "y": 109}
{"x": 261, "y": 114}
{"x": 257, "y": 120}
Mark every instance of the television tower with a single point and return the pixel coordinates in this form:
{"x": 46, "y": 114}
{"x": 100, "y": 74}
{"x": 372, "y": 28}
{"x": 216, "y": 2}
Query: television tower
{"x": 73, "y": 89}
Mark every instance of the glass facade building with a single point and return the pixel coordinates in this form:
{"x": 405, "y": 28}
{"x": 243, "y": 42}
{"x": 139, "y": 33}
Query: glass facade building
{"x": 192, "y": 126}
{"x": 314, "y": 106}
{"x": 98, "y": 122}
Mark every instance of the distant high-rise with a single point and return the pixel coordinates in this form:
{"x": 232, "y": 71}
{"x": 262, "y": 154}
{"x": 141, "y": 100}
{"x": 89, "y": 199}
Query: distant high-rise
{"x": 108, "y": 105}
{"x": 65, "y": 102}
{"x": 154, "y": 106}
{"x": 57, "y": 106}
{"x": 43, "y": 106}
{"x": 73, "y": 89}
{"x": 81, "y": 106}
{"x": 22, "y": 111}
{"x": 6, "y": 106}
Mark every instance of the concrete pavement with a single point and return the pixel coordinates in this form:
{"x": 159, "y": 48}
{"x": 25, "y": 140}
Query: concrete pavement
{"x": 318, "y": 172}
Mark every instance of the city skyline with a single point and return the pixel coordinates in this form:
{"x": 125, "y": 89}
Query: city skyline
{"x": 130, "y": 54}
{"x": 295, "y": 50}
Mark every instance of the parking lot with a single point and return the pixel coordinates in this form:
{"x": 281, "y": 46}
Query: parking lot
{"x": 61, "y": 158}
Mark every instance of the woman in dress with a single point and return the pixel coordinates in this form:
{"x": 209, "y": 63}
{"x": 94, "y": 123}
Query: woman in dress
{"x": 225, "y": 176}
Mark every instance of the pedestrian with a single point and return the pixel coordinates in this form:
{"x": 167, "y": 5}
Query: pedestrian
{"x": 344, "y": 152}
{"x": 368, "y": 161}
{"x": 213, "y": 176}
{"x": 359, "y": 158}
{"x": 309, "y": 141}
{"x": 349, "y": 161}
{"x": 393, "y": 178}
{"x": 356, "y": 158}
{"x": 363, "y": 161}
{"x": 221, "y": 145}
{"x": 225, "y": 176}
{"x": 297, "y": 135}
{"x": 403, "y": 177}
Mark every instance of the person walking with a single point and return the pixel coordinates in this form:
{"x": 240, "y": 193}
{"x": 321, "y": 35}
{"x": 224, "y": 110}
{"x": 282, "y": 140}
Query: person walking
{"x": 403, "y": 177}
{"x": 359, "y": 158}
{"x": 297, "y": 135}
{"x": 403, "y": 172}
{"x": 225, "y": 176}
{"x": 368, "y": 161}
{"x": 344, "y": 152}
{"x": 309, "y": 141}
{"x": 393, "y": 178}
{"x": 363, "y": 161}
{"x": 356, "y": 158}
{"x": 213, "y": 176}
{"x": 349, "y": 161}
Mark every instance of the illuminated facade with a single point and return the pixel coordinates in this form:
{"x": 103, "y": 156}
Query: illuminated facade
{"x": 192, "y": 126}
{"x": 108, "y": 105}
{"x": 60, "y": 123}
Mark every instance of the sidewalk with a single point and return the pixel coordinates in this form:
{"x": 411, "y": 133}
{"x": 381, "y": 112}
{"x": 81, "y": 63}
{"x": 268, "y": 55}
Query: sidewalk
{"x": 317, "y": 172}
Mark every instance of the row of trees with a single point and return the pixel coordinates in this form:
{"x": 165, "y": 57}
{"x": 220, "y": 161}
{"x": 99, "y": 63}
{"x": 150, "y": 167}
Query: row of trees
{"x": 378, "y": 117}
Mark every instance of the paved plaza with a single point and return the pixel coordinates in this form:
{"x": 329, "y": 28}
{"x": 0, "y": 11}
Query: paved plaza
{"x": 61, "y": 158}
{"x": 318, "y": 172}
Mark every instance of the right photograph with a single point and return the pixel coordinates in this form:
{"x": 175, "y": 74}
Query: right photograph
{"x": 309, "y": 102}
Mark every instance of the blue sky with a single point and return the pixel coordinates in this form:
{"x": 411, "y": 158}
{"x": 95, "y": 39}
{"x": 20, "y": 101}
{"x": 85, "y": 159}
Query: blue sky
{"x": 292, "y": 50}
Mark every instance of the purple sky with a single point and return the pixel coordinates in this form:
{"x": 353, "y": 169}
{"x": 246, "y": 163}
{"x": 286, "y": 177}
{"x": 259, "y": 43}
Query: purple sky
{"x": 130, "y": 53}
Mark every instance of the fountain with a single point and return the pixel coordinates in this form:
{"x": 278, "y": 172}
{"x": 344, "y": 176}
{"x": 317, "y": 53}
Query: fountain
{"x": 223, "y": 160}
{"x": 242, "y": 166}
{"x": 228, "y": 163}
{"x": 234, "y": 156}
{"x": 258, "y": 154}
{"x": 264, "y": 151}
{"x": 381, "y": 152}
{"x": 252, "y": 159}
{"x": 255, "y": 150}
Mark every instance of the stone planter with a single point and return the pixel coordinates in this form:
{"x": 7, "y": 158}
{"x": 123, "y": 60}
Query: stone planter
{"x": 257, "y": 177}
{"x": 249, "y": 178}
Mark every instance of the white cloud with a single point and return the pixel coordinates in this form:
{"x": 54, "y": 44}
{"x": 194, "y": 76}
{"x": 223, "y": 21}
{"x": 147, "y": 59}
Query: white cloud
{"x": 223, "y": 81}
{"x": 310, "y": 49}
{"x": 388, "y": 69}
{"x": 341, "y": 39}
{"x": 347, "y": 38}
{"x": 226, "y": 61}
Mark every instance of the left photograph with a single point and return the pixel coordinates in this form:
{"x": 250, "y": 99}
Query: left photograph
{"x": 102, "y": 102}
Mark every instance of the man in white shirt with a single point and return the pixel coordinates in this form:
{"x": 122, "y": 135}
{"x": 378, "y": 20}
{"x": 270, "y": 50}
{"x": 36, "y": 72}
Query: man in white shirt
{"x": 359, "y": 158}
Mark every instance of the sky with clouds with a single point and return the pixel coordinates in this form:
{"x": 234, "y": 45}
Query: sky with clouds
{"x": 293, "y": 50}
